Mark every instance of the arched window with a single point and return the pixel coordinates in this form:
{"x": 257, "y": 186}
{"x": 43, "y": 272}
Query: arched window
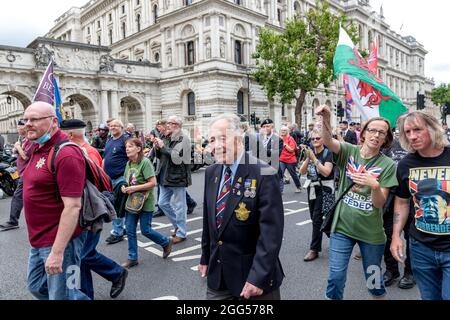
{"x": 155, "y": 13}
{"x": 240, "y": 102}
{"x": 138, "y": 22}
{"x": 190, "y": 53}
{"x": 238, "y": 52}
{"x": 191, "y": 104}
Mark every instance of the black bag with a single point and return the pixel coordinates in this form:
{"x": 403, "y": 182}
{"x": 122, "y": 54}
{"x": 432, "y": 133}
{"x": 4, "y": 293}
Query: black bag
{"x": 329, "y": 215}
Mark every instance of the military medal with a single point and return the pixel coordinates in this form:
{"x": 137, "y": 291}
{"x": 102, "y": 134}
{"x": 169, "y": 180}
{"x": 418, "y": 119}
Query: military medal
{"x": 253, "y": 188}
{"x": 247, "y": 185}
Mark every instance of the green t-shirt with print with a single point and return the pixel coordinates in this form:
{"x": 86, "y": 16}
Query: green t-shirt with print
{"x": 355, "y": 216}
{"x": 136, "y": 174}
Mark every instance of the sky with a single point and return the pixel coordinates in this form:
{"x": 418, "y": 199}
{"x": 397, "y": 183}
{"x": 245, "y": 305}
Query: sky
{"x": 21, "y": 21}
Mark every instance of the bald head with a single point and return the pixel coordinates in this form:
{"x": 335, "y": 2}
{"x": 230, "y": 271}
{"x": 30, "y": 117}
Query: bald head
{"x": 42, "y": 109}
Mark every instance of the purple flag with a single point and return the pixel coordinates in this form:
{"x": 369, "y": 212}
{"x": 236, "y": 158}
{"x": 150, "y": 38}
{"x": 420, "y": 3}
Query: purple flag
{"x": 45, "y": 91}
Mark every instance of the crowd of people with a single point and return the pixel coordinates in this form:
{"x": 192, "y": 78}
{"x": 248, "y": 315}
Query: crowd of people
{"x": 382, "y": 182}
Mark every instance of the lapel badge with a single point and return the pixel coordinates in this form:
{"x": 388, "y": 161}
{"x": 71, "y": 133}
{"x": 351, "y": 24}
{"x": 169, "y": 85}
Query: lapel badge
{"x": 242, "y": 213}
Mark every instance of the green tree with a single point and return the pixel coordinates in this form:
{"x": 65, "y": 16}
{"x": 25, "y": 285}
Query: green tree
{"x": 441, "y": 95}
{"x": 292, "y": 63}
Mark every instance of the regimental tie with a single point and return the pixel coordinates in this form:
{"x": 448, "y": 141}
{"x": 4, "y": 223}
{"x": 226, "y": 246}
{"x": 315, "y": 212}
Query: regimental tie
{"x": 223, "y": 196}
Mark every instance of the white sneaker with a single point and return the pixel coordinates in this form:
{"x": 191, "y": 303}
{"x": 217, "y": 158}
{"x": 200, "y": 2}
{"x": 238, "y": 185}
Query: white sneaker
{"x": 298, "y": 190}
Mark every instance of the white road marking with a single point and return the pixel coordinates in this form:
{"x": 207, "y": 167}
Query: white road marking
{"x": 289, "y": 202}
{"x": 166, "y": 298}
{"x": 188, "y": 249}
{"x": 187, "y": 258}
{"x": 304, "y": 223}
{"x": 296, "y": 211}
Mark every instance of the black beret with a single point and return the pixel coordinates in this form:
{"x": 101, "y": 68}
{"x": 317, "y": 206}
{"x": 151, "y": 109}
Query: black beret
{"x": 21, "y": 123}
{"x": 267, "y": 121}
{"x": 72, "y": 124}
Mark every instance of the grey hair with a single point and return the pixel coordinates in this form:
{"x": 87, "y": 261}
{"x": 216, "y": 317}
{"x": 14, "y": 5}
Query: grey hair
{"x": 79, "y": 132}
{"x": 284, "y": 128}
{"x": 434, "y": 129}
{"x": 177, "y": 120}
{"x": 233, "y": 121}
{"x": 118, "y": 121}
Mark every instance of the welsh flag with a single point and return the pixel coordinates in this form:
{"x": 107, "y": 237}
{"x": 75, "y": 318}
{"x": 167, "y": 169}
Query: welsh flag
{"x": 368, "y": 93}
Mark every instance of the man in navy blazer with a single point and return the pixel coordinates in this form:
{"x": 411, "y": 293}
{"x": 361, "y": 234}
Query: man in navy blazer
{"x": 241, "y": 243}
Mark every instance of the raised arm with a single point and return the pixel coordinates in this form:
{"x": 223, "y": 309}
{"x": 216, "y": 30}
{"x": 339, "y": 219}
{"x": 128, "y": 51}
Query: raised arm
{"x": 327, "y": 134}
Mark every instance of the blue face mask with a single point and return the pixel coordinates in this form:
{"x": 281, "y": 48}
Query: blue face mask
{"x": 45, "y": 137}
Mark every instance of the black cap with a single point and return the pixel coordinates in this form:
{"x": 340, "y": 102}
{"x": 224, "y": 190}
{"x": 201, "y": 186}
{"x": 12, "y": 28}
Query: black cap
{"x": 352, "y": 124}
{"x": 345, "y": 122}
{"x": 266, "y": 121}
{"x": 21, "y": 123}
{"x": 72, "y": 124}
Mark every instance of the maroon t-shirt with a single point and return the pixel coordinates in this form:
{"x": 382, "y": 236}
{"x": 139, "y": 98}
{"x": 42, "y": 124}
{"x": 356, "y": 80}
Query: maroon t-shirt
{"x": 42, "y": 208}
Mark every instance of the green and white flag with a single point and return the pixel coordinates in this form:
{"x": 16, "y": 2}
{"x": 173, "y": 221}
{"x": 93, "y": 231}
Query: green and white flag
{"x": 370, "y": 95}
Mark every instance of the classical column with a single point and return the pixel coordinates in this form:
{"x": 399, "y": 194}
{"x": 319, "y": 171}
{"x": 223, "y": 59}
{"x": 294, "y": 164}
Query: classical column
{"x": 201, "y": 54}
{"x": 228, "y": 45}
{"x": 277, "y": 115}
{"x": 104, "y": 106}
{"x": 215, "y": 37}
{"x": 114, "y": 104}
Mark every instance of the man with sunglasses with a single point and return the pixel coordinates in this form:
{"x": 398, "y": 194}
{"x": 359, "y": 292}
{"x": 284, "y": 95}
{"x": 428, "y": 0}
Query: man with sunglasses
{"x": 52, "y": 221}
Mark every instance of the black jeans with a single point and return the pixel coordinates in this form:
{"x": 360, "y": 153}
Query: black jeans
{"x": 16, "y": 204}
{"x": 315, "y": 211}
{"x": 391, "y": 263}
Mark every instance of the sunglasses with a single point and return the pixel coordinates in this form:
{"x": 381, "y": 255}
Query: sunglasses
{"x": 315, "y": 139}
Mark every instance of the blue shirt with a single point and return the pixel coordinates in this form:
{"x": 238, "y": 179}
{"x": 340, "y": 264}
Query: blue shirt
{"x": 233, "y": 168}
{"x": 115, "y": 157}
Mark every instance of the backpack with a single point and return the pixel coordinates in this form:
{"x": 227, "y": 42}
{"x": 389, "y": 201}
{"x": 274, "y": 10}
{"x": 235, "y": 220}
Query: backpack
{"x": 98, "y": 190}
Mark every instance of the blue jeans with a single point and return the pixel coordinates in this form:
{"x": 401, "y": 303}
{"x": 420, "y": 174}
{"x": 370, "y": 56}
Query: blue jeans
{"x": 172, "y": 201}
{"x": 62, "y": 286}
{"x": 341, "y": 248}
{"x": 431, "y": 269}
{"x": 117, "y": 224}
{"x": 92, "y": 260}
{"x": 145, "y": 219}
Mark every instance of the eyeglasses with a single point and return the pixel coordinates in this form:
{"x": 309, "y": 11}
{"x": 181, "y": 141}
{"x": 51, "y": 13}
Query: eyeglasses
{"x": 381, "y": 133}
{"x": 316, "y": 139}
{"x": 34, "y": 120}
{"x": 172, "y": 123}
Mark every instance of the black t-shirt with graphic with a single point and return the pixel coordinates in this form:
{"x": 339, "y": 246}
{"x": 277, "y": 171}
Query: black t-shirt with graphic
{"x": 427, "y": 180}
{"x": 396, "y": 152}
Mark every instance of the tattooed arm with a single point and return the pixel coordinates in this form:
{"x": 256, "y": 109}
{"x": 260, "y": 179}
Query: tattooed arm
{"x": 401, "y": 211}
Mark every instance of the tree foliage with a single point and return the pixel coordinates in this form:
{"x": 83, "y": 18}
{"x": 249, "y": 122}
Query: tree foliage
{"x": 441, "y": 94}
{"x": 292, "y": 63}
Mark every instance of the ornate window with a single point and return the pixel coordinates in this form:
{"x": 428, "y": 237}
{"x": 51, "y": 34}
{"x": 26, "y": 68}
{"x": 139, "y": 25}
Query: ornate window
{"x": 155, "y": 13}
{"x": 138, "y": 22}
{"x": 191, "y": 104}
{"x": 240, "y": 102}
{"x": 190, "y": 53}
{"x": 124, "y": 30}
{"x": 238, "y": 52}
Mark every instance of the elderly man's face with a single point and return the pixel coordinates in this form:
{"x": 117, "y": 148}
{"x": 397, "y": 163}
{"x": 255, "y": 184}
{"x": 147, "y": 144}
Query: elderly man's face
{"x": 115, "y": 128}
{"x": 223, "y": 142}
{"x": 267, "y": 129}
{"x": 172, "y": 126}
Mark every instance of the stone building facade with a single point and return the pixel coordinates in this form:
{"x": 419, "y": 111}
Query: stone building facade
{"x": 195, "y": 58}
